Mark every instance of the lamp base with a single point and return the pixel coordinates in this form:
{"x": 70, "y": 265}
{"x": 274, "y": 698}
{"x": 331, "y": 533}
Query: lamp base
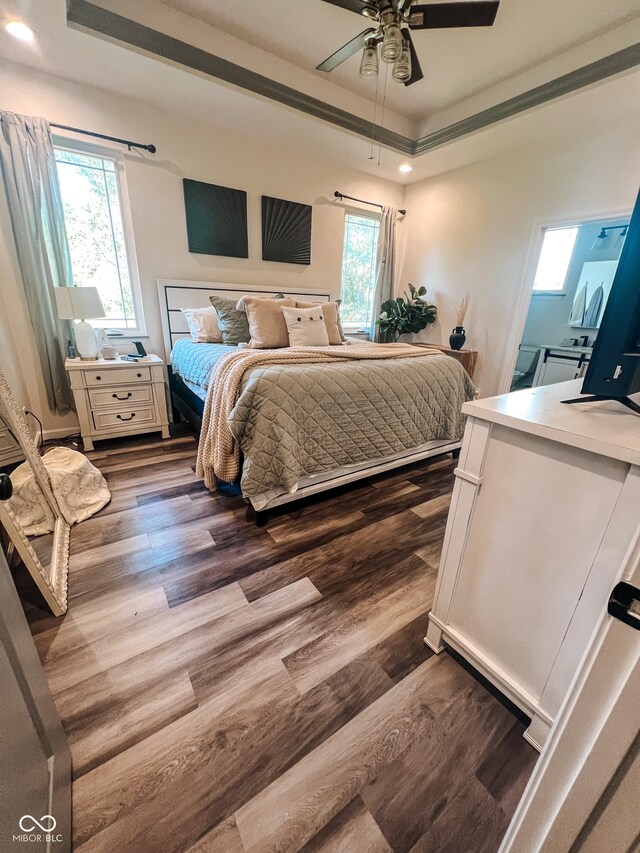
{"x": 86, "y": 342}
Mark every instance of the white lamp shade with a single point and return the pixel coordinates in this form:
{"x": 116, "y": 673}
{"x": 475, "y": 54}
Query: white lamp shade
{"x": 78, "y": 303}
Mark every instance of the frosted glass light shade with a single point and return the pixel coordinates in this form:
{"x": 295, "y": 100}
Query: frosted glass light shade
{"x": 392, "y": 42}
{"x": 402, "y": 66}
{"x": 78, "y": 303}
{"x": 369, "y": 62}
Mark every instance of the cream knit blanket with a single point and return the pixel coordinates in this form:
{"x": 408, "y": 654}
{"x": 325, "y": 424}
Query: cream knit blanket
{"x": 218, "y": 451}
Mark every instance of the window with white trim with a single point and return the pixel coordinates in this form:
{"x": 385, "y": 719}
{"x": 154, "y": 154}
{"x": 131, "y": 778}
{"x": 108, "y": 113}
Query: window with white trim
{"x": 555, "y": 257}
{"x": 99, "y": 232}
{"x": 361, "y": 232}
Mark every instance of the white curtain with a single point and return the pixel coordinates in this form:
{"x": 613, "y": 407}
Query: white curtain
{"x": 385, "y": 264}
{"x": 37, "y": 217}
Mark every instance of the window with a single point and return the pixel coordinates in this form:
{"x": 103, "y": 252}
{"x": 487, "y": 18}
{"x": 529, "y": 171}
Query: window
{"x": 359, "y": 268}
{"x": 555, "y": 257}
{"x": 99, "y": 234}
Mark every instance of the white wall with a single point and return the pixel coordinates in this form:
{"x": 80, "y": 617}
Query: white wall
{"x": 472, "y": 229}
{"x": 193, "y": 150}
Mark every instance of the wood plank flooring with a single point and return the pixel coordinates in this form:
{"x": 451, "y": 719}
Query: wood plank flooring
{"x": 233, "y": 689}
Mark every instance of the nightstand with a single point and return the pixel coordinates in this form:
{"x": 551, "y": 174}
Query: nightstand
{"x": 116, "y": 398}
{"x": 466, "y": 357}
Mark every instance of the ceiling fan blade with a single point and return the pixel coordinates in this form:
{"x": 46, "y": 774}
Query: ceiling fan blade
{"x": 416, "y": 71}
{"x": 345, "y": 51}
{"x": 434, "y": 16}
{"x": 349, "y": 5}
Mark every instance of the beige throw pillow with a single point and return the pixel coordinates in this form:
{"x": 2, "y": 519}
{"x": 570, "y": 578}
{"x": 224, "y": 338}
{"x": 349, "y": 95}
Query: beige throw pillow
{"x": 266, "y": 322}
{"x": 203, "y": 325}
{"x": 306, "y": 326}
{"x": 331, "y": 315}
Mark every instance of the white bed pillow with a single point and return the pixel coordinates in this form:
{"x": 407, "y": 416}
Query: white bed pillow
{"x": 306, "y": 327}
{"x": 203, "y": 325}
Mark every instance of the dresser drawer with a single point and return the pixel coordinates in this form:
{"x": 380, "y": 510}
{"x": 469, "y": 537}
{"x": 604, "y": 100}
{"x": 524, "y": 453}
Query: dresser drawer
{"x": 124, "y": 397}
{"x": 121, "y": 376}
{"x": 131, "y": 418}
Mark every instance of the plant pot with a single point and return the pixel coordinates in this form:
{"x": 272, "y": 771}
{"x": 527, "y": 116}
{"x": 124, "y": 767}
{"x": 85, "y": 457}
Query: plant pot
{"x": 457, "y": 338}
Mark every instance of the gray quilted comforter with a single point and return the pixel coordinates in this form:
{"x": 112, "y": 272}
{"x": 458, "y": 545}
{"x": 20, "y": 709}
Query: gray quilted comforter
{"x": 294, "y": 421}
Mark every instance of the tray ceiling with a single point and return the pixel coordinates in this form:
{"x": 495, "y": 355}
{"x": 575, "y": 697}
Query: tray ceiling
{"x": 457, "y": 63}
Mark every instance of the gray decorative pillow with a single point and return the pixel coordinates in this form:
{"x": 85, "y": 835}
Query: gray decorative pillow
{"x": 233, "y": 323}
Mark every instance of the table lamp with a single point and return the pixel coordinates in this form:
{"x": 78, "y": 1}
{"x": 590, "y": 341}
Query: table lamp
{"x": 78, "y": 303}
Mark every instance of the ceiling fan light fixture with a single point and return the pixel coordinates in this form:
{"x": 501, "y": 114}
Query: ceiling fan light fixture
{"x": 369, "y": 10}
{"x": 392, "y": 41}
{"x": 369, "y": 61}
{"x": 402, "y": 65}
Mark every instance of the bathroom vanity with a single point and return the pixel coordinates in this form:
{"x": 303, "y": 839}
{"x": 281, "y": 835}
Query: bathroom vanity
{"x": 542, "y": 519}
{"x": 561, "y": 363}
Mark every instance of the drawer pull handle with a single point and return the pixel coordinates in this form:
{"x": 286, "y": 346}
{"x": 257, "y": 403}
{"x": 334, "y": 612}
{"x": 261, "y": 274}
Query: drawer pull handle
{"x": 115, "y": 396}
{"x": 98, "y": 378}
{"x": 139, "y": 375}
{"x": 120, "y": 418}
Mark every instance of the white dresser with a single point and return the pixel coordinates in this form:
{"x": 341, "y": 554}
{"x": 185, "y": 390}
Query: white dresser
{"x": 545, "y": 508}
{"x": 116, "y": 398}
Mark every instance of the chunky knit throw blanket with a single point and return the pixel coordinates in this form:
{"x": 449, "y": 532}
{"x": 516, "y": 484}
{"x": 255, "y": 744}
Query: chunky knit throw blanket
{"x": 218, "y": 451}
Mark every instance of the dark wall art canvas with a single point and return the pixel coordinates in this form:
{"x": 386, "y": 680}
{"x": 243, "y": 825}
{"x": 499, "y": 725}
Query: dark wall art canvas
{"x": 286, "y": 231}
{"x": 216, "y": 219}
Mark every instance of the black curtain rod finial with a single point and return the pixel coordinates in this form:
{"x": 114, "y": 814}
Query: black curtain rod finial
{"x": 128, "y": 142}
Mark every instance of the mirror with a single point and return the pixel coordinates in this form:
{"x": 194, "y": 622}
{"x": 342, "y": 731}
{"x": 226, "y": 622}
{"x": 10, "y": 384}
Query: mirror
{"x": 29, "y": 512}
{"x": 592, "y": 292}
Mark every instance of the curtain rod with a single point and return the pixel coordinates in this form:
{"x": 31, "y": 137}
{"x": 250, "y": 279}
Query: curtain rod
{"x": 150, "y": 148}
{"x": 340, "y": 195}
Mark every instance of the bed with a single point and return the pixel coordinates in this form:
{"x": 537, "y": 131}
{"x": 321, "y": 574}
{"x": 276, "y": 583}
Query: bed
{"x": 306, "y": 428}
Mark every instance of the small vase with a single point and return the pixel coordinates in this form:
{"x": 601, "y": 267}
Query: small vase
{"x": 457, "y": 338}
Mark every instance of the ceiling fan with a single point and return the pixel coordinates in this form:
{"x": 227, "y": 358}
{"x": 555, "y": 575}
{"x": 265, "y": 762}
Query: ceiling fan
{"x": 394, "y": 20}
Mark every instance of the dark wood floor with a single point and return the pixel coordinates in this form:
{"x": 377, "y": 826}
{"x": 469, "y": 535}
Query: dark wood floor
{"x": 228, "y": 688}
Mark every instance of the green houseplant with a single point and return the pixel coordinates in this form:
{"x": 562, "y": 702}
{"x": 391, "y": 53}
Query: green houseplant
{"x": 404, "y": 315}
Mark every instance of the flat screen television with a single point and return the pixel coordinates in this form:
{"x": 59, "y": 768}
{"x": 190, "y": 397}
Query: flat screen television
{"x": 614, "y": 369}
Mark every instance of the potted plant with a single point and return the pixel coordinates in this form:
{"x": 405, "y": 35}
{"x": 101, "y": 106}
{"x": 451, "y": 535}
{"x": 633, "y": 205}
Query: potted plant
{"x": 405, "y": 315}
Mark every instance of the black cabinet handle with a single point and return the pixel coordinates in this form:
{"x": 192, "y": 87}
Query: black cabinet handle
{"x": 6, "y": 487}
{"x": 115, "y": 396}
{"x": 120, "y": 418}
{"x": 98, "y": 378}
{"x": 139, "y": 375}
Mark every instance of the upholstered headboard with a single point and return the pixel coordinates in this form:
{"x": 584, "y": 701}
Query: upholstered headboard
{"x": 175, "y": 295}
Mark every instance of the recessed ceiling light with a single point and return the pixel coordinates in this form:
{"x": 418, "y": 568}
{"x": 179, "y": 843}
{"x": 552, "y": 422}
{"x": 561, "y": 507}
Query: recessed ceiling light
{"x": 20, "y": 31}
{"x": 405, "y": 168}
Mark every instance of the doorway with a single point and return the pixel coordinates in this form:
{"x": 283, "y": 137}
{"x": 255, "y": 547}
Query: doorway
{"x": 572, "y": 279}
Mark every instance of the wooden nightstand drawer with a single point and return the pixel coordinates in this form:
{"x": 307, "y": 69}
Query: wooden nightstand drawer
{"x": 126, "y": 397}
{"x": 132, "y": 418}
{"x": 120, "y": 376}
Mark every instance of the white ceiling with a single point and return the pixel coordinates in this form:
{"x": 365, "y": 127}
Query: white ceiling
{"x": 457, "y": 63}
